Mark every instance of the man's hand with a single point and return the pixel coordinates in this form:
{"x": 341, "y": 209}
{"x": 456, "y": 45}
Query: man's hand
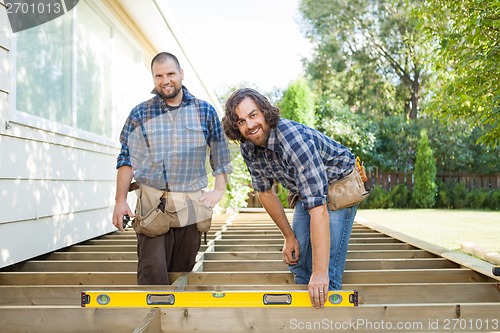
{"x": 121, "y": 209}
{"x": 318, "y": 288}
{"x": 291, "y": 251}
{"x": 123, "y": 181}
{"x": 211, "y": 198}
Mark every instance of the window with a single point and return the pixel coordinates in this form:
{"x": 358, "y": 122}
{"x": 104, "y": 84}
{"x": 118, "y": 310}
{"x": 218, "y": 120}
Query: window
{"x": 79, "y": 70}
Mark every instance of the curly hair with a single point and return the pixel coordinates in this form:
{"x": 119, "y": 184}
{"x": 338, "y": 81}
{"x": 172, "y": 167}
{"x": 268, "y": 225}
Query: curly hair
{"x": 230, "y": 119}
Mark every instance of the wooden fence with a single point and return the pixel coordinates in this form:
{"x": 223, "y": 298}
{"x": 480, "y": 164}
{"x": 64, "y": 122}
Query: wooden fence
{"x": 388, "y": 180}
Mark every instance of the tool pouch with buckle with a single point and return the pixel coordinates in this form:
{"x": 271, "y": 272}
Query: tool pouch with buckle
{"x": 149, "y": 217}
{"x": 347, "y": 192}
{"x": 157, "y": 211}
{"x": 180, "y": 207}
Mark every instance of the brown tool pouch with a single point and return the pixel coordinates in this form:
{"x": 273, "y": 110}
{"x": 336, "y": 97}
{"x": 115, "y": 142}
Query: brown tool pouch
{"x": 347, "y": 192}
{"x": 157, "y": 211}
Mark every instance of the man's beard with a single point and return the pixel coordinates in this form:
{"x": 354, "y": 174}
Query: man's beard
{"x": 169, "y": 96}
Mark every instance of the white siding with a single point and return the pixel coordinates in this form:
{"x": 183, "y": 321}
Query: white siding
{"x": 51, "y": 195}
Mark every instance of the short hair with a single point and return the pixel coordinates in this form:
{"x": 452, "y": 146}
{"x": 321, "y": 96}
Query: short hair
{"x": 230, "y": 119}
{"x": 164, "y": 56}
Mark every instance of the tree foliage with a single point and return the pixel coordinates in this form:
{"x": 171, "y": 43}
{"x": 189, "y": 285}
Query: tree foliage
{"x": 351, "y": 129}
{"x": 297, "y": 103}
{"x": 466, "y": 39}
{"x": 368, "y": 53}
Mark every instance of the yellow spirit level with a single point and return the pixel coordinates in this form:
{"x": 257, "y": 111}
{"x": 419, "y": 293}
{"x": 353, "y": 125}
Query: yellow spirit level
{"x": 204, "y": 299}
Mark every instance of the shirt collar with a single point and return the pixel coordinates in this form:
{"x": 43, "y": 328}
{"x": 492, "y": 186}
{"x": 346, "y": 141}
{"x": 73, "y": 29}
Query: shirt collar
{"x": 272, "y": 142}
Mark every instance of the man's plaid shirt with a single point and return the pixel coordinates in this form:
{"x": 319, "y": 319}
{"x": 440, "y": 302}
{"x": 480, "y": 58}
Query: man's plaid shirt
{"x": 171, "y": 146}
{"x": 301, "y": 158}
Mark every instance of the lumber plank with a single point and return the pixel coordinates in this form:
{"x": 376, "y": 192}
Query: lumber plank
{"x": 244, "y": 248}
{"x": 368, "y": 318}
{"x": 360, "y": 319}
{"x": 229, "y": 265}
{"x": 389, "y": 254}
{"x": 451, "y": 275}
{"x": 67, "y": 278}
{"x": 101, "y": 248}
{"x": 62, "y": 256}
{"x": 379, "y": 240}
{"x": 64, "y": 319}
{"x": 361, "y": 254}
{"x": 409, "y": 293}
{"x": 248, "y": 278}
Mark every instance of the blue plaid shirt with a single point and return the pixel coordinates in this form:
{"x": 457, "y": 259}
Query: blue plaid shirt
{"x": 302, "y": 159}
{"x": 170, "y": 147}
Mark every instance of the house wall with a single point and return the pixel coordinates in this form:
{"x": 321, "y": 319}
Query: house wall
{"x": 55, "y": 189}
{"x": 57, "y": 185}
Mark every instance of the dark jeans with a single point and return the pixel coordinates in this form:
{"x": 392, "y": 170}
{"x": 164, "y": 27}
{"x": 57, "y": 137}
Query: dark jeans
{"x": 174, "y": 251}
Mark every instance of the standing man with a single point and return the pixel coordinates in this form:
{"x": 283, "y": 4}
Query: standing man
{"x": 304, "y": 161}
{"x": 164, "y": 145}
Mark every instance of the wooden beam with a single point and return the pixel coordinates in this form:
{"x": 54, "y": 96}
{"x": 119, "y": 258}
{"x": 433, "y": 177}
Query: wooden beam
{"x": 389, "y": 254}
{"x": 64, "y": 319}
{"x": 244, "y": 248}
{"x": 378, "y": 240}
{"x": 351, "y": 264}
{"x": 451, "y": 275}
{"x": 62, "y": 256}
{"x": 408, "y": 293}
{"x": 102, "y": 248}
{"x": 253, "y": 255}
{"x": 413, "y": 318}
{"x": 250, "y": 242}
{"x": 380, "y": 246}
{"x": 67, "y": 278}
{"x": 248, "y": 278}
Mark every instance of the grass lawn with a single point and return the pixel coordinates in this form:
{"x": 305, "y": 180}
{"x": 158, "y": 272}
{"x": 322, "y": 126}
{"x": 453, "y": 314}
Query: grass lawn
{"x": 445, "y": 228}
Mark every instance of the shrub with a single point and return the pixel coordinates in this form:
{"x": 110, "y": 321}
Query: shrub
{"x": 493, "y": 200}
{"x": 379, "y": 198}
{"x": 425, "y": 188}
{"x": 400, "y": 197}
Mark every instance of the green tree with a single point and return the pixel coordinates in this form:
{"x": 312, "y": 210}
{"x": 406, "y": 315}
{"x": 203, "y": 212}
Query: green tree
{"x": 396, "y": 143}
{"x": 297, "y": 103}
{"x": 466, "y": 36}
{"x": 351, "y": 129}
{"x": 369, "y": 53}
{"x": 425, "y": 188}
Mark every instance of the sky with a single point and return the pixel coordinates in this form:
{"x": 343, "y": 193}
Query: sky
{"x": 258, "y": 42}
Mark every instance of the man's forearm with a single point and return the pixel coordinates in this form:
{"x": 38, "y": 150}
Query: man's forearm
{"x": 220, "y": 182}
{"x": 275, "y": 209}
{"x": 320, "y": 238}
{"x": 123, "y": 179}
